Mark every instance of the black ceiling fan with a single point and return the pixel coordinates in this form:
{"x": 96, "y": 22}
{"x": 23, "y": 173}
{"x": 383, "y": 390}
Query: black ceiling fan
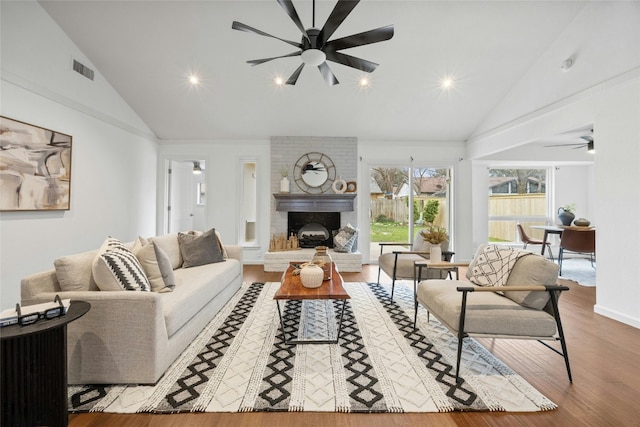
{"x": 588, "y": 142}
{"x": 315, "y": 46}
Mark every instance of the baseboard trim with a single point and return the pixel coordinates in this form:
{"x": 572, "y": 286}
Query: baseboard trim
{"x": 615, "y": 315}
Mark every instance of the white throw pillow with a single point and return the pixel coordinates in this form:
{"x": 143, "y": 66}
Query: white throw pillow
{"x": 116, "y": 268}
{"x": 169, "y": 244}
{"x": 156, "y": 265}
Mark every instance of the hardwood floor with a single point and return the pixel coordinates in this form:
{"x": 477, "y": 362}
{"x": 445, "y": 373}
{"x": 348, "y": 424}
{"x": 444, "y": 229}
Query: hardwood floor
{"x": 604, "y": 356}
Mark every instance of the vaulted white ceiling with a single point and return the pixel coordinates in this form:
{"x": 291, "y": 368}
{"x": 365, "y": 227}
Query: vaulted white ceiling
{"x": 145, "y": 49}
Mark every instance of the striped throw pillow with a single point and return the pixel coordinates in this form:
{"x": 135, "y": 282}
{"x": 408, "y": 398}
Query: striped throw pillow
{"x": 116, "y": 268}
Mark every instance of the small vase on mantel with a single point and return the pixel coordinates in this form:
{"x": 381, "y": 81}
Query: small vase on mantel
{"x": 435, "y": 252}
{"x": 284, "y": 185}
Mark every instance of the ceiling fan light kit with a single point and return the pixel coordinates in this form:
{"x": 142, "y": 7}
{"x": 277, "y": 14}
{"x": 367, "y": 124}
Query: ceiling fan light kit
{"x": 316, "y": 49}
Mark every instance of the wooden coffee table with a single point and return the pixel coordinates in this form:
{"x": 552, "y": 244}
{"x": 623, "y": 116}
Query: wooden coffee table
{"x": 291, "y": 288}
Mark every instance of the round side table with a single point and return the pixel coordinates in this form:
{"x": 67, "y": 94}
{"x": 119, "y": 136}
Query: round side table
{"x": 34, "y": 370}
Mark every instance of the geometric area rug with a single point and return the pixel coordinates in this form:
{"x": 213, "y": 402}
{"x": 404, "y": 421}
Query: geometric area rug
{"x": 240, "y": 363}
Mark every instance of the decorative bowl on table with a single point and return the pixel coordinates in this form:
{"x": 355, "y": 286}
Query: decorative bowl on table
{"x": 581, "y": 222}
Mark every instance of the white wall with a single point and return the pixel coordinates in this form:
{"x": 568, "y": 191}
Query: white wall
{"x": 113, "y": 172}
{"x": 223, "y": 182}
{"x": 618, "y": 203}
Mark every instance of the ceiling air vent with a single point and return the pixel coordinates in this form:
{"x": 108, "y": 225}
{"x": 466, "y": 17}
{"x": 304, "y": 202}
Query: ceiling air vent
{"x": 83, "y": 69}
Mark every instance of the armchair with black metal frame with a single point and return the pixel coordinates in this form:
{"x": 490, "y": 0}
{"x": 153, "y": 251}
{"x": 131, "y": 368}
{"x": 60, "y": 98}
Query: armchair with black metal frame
{"x": 400, "y": 264}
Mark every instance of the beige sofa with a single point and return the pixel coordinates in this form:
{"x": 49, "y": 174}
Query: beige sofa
{"x": 132, "y": 337}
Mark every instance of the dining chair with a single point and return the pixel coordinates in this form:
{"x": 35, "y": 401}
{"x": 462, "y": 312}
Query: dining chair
{"x": 577, "y": 241}
{"x": 526, "y": 240}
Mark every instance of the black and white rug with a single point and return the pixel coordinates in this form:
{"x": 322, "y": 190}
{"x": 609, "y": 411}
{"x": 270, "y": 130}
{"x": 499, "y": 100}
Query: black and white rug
{"x": 240, "y": 363}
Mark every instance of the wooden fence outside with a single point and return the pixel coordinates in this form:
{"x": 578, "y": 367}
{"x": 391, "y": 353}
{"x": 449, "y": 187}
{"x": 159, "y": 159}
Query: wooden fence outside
{"x": 508, "y": 205}
{"x": 398, "y": 209}
{"x": 515, "y": 205}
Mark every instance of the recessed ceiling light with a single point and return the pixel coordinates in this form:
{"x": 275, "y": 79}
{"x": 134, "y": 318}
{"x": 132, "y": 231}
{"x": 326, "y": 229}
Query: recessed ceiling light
{"x": 447, "y": 83}
{"x": 364, "y": 82}
{"x": 194, "y": 79}
{"x": 279, "y": 81}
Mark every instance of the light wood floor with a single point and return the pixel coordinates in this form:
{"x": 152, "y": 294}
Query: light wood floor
{"x": 604, "y": 355}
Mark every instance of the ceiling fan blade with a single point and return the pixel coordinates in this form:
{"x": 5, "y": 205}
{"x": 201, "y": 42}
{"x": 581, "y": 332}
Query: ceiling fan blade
{"x": 328, "y": 75}
{"x": 288, "y": 7}
{"x": 339, "y": 13}
{"x": 587, "y": 138}
{"x": 294, "y": 77}
{"x": 368, "y": 37}
{"x": 352, "y": 61}
{"x": 262, "y": 61}
{"x": 243, "y": 27}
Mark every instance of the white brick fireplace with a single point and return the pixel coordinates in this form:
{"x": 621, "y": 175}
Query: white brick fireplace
{"x": 285, "y": 152}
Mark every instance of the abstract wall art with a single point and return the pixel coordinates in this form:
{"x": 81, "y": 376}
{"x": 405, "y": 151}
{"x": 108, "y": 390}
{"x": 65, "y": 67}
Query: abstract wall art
{"x": 35, "y": 167}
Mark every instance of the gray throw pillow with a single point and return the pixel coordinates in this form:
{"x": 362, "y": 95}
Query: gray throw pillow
{"x": 344, "y": 240}
{"x": 199, "y": 250}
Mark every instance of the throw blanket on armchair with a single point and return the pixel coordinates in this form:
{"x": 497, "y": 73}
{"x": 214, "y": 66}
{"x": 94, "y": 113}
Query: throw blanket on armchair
{"x": 493, "y": 265}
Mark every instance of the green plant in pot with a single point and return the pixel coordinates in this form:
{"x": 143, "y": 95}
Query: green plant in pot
{"x": 566, "y": 215}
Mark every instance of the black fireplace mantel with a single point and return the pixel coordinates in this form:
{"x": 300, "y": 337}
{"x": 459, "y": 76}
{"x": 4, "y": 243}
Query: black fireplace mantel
{"x": 291, "y": 202}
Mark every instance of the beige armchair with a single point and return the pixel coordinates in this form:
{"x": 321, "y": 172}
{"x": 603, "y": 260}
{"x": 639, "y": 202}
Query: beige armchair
{"x": 525, "y": 308}
{"x": 399, "y": 264}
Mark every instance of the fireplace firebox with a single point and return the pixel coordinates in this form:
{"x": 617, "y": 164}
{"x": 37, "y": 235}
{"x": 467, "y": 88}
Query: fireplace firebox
{"x": 313, "y": 228}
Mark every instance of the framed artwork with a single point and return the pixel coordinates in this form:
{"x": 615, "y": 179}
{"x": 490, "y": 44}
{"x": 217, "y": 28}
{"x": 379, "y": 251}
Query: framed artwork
{"x": 35, "y": 167}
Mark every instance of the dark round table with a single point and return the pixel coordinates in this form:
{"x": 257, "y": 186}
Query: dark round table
{"x": 34, "y": 370}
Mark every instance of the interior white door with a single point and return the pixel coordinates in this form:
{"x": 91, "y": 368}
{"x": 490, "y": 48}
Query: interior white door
{"x": 181, "y": 196}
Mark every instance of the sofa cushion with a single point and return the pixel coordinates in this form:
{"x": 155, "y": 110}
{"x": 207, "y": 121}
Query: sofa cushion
{"x": 116, "y": 268}
{"x": 169, "y": 245}
{"x": 199, "y": 250}
{"x": 156, "y": 265}
{"x": 74, "y": 272}
{"x": 532, "y": 270}
{"x": 487, "y": 312}
{"x": 195, "y": 287}
{"x": 419, "y": 244}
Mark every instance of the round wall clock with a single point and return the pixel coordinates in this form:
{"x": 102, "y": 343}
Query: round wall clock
{"x": 314, "y": 173}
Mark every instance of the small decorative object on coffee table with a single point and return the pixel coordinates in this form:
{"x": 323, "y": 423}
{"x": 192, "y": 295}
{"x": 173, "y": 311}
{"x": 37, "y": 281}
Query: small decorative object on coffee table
{"x": 311, "y": 275}
{"x": 292, "y": 289}
{"x": 323, "y": 259}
